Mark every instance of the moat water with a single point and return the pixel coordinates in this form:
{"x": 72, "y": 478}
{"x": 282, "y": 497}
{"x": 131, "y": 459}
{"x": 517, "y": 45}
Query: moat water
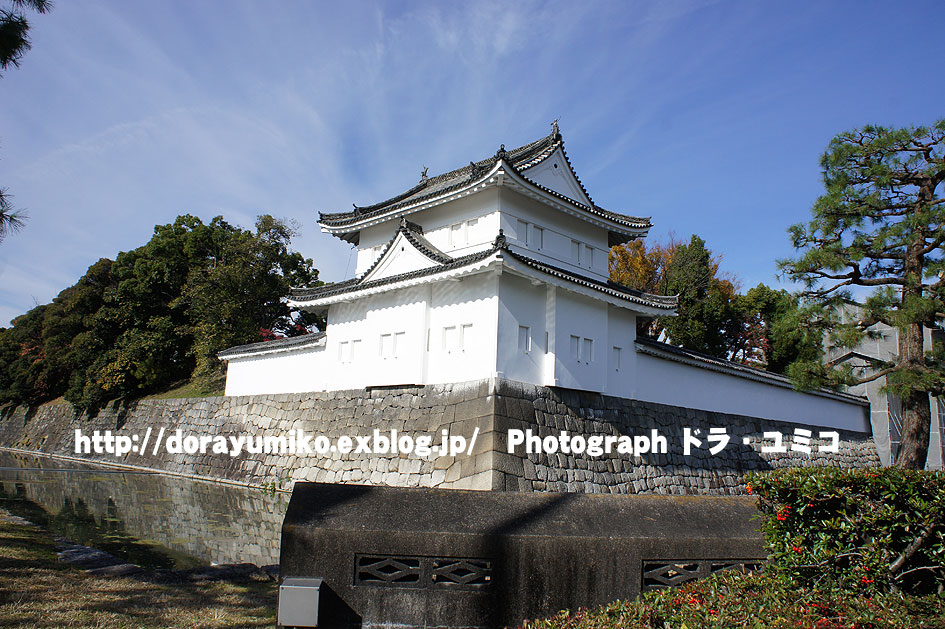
{"x": 150, "y": 519}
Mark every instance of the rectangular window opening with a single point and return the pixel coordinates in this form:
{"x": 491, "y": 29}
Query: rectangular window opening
{"x": 465, "y": 335}
{"x": 524, "y": 339}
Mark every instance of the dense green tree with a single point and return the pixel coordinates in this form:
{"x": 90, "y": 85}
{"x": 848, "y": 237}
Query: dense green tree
{"x": 707, "y": 320}
{"x": 157, "y": 315}
{"x": 879, "y": 225}
{"x": 245, "y": 289}
{"x": 22, "y": 378}
{"x": 771, "y": 337}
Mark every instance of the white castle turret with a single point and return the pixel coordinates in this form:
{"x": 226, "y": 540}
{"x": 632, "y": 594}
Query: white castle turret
{"x": 499, "y": 269}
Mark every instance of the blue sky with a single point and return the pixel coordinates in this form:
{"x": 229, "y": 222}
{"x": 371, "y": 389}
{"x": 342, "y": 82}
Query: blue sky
{"x": 708, "y": 116}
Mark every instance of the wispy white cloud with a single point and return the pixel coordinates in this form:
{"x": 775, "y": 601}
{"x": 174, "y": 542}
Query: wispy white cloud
{"x": 125, "y": 115}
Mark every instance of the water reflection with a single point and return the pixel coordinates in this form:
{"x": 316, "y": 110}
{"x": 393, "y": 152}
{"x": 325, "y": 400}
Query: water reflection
{"x": 149, "y": 519}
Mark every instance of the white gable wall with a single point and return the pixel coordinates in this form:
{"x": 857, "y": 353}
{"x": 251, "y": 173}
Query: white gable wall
{"x": 401, "y": 257}
{"x": 555, "y": 174}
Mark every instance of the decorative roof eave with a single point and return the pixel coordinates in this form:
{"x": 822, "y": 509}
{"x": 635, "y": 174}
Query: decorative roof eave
{"x": 631, "y": 226}
{"x": 710, "y": 363}
{"x": 347, "y": 225}
{"x": 643, "y": 303}
{"x": 460, "y": 267}
{"x": 349, "y": 230}
{"x": 505, "y": 174}
{"x": 293, "y": 343}
{"x": 500, "y": 255}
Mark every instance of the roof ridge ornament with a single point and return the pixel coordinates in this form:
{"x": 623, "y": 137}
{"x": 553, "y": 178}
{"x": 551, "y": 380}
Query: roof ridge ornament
{"x": 423, "y": 174}
{"x": 474, "y": 170}
{"x": 501, "y": 242}
{"x": 501, "y": 153}
{"x": 555, "y": 132}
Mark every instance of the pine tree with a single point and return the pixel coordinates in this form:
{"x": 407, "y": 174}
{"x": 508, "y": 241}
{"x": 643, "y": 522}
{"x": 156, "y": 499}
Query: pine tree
{"x": 881, "y": 225}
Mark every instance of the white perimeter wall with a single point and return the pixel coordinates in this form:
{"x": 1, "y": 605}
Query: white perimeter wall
{"x": 489, "y": 325}
{"x": 670, "y": 382}
{"x": 279, "y": 372}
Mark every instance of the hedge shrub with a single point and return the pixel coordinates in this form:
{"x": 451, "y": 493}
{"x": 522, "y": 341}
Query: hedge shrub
{"x": 871, "y": 531}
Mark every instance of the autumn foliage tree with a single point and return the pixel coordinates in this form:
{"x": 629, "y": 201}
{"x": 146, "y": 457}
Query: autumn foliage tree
{"x": 757, "y": 328}
{"x": 880, "y": 226}
{"x": 706, "y": 320}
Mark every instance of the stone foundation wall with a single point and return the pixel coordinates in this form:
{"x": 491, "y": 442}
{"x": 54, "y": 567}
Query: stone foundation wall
{"x": 489, "y": 407}
{"x": 548, "y": 411}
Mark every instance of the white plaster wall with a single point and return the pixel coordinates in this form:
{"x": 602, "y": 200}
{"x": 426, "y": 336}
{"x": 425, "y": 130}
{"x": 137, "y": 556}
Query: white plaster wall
{"x": 621, "y": 333}
{"x": 468, "y": 350}
{"x": 559, "y": 229}
{"x": 280, "y": 372}
{"x": 436, "y": 222}
{"x": 372, "y": 244}
{"x": 670, "y": 382}
{"x": 521, "y": 304}
{"x": 347, "y": 324}
{"x": 587, "y": 320}
{"x": 400, "y": 314}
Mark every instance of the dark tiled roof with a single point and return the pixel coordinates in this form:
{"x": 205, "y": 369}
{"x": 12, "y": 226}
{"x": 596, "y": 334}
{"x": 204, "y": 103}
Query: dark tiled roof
{"x": 501, "y": 244}
{"x": 667, "y": 302}
{"x": 688, "y": 356}
{"x": 353, "y": 285}
{"x": 286, "y": 343}
{"x": 520, "y": 159}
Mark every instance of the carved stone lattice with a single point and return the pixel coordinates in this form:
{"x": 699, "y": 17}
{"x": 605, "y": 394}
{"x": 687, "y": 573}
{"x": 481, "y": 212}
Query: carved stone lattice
{"x": 461, "y": 572}
{"x": 391, "y": 571}
{"x": 422, "y": 572}
{"x": 664, "y": 574}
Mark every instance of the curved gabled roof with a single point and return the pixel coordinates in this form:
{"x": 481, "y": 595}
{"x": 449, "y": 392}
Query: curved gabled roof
{"x": 663, "y": 303}
{"x": 520, "y": 159}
